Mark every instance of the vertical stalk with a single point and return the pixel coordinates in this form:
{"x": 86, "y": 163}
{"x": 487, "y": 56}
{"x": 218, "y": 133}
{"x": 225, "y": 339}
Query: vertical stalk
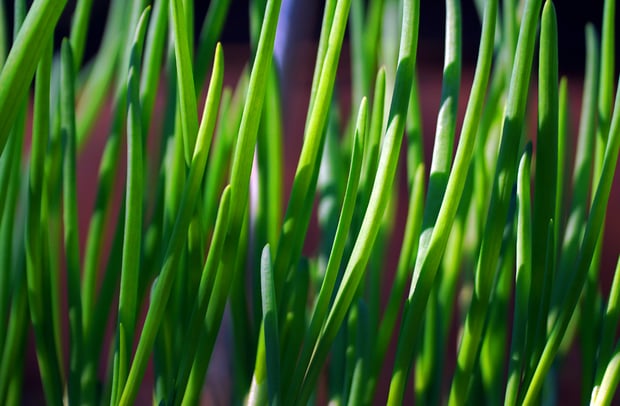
{"x": 522, "y": 279}
{"x": 21, "y": 63}
{"x": 379, "y": 195}
{"x": 426, "y": 266}
{"x": 70, "y": 216}
{"x": 128, "y": 302}
{"x": 545, "y": 188}
{"x": 514, "y": 118}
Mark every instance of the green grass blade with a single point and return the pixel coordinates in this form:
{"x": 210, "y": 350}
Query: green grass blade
{"x": 372, "y": 31}
{"x": 52, "y": 248}
{"x": 414, "y": 131}
{"x": 185, "y": 79}
{"x": 21, "y": 63}
{"x": 13, "y": 347}
{"x": 514, "y": 118}
{"x": 609, "y": 326}
{"x": 240, "y": 172}
{"x": 468, "y": 134}
{"x": 97, "y": 87}
{"x": 564, "y": 139}
{"x": 296, "y": 217}
{"x": 270, "y": 160}
{"x": 604, "y": 394}
{"x": 11, "y": 237}
{"x": 404, "y": 270}
{"x": 229, "y": 120}
{"x": 95, "y": 333}
{"x": 163, "y": 285}
{"x": 360, "y": 70}
{"x": 426, "y": 266}
{"x": 132, "y": 240}
{"x": 450, "y": 271}
{"x": 175, "y": 174}
{"x": 604, "y": 116}
{"x": 268, "y": 356}
{"x": 494, "y": 347}
{"x": 544, "y": 203}
{"x": 243, "y": 357}
{"x": 267, "y": 215}
{"x": 321, "y": 308}
{"x": 375, "y": 130}
{"x": 79, "y": 30}
{"x": 108, "y": 166}
{"x": 270, "y": 322}
{"x": 379, "y": 195}
{"x": 606, "y": 76}
{"x": 361, "y": 348}
{"x": 70, "y": 216}
{"x": 11, "y": 173}
{"x": 257, "y": 15}
{"x": 151, "y": 71}
{"x": 244, "y": 151}
{"x": 446, "y": 125}
{"x": 202, "y": 299}
{"x": 582, "y": 172}
{"x": 440, "y": 168}
{"x": 586, "y": 253}
{"x": 34, "y": 228}
{"x": 522, "y": 279}
{"x": 40, "y": 132}
{"x": 510, "y": 30}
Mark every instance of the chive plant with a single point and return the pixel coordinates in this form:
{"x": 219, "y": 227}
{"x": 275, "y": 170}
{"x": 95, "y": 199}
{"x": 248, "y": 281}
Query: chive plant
{"x": 494, "y": 233}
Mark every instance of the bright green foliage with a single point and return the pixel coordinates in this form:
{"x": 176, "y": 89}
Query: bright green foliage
{"x": 494, "y": 229}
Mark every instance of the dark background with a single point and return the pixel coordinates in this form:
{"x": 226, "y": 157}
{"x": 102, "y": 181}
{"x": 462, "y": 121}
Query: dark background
{"x": 572, "y": 18}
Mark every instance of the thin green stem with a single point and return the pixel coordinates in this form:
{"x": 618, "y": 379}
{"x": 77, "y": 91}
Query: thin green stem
{"x": 163, "y": 285}
{"x": 108, "y": 166}
{"x": 296, "y": 217}
{"x": 96, "y": 89}
{"x": 545, "y": 189}
{"x": 514, "y": 118}
{"x": 132, "y": 240}
{"x": 522, "y": 279}
{"x": 609, "y": 384}
{"x": 185, "y": 79}
{"x": 21, "y": 63}
{"x": 70, "y": 226}
{"x": 446, "y": 125}
{"x": 426, "y": 265}
{"x": 609, "y": 327}
{"x": 240, "y": 172}
{"x": 214, "y": 256}
{"x": 379, "y": 196}
{"x": 404, "y": 270}
{"x": 321, "y": 308}
{"x": 267, "y": 360}
{"x": 79, "y": 30}
{"x": 202, "y": 299}
{"x": 582, "y": 173}
{"x": 588, "y": 247}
